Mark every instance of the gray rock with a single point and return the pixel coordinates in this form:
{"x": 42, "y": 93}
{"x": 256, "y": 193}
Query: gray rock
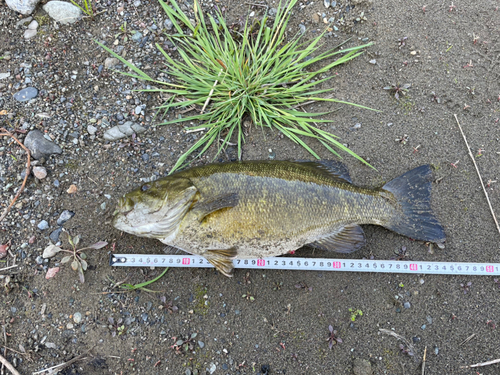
{"x": 362, "y": 367}
{"x": 23, "y": 21}
{"x": 138, "y": 110}
{"x": 201, "y": 344}
{"x": 63, "y": 12}
{"x": 26, "y": 94}
{"x": 33, "y": 25}
{"x": 64, "y": 217}
{"x": 302, "y": 28}
{"x": 22, "y": 6}
{"x": 39, "y": 146}
{"x": 136, "y": 37}
{"x": 50, "y": 345}
{"x": 91, "y": 129}
{"x": 373, "y": 61}
{"x": 4, "y": 75}
{"x": 54, "y": 236}
{"x": 273, "y": 12}
{"x": 168, "y": 24}
{"x": 42, "y": 225}
{"x": 122, "y": 131}
{"x": 39, "y": 172}
{"x": 110, "y": 62}
{"x": 77, "y": 317}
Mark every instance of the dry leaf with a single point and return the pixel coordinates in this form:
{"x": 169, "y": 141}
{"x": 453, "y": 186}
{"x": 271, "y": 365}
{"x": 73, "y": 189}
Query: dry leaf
{"x": 51, "y": 272}
{"x": 50, "y": 251}
{"x": 72, "y": 189}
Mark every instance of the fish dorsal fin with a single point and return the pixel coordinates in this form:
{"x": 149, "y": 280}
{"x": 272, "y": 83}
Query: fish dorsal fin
{"x": 222, "y": 260}
{"x": 348, "y": 239}
{"x": 205, "y": 207}
{"x": 331, "y": 168}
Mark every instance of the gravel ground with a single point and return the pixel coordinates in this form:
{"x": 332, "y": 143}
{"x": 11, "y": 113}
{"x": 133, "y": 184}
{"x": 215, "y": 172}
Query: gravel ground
{"x": 63, "y": 97}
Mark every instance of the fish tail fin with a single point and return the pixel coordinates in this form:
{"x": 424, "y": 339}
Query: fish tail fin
{"x": 415, "y": 218}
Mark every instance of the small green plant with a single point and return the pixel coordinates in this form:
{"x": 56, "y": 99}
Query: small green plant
{"x": 116, "y": 327}
{"x": 77, "y": 257}
{"x": 355, "y": 313}
{"x": 248, "y": 296}
{"x": 87, "y": 7}
{"x": 398, "y": 90}
{"x": 184, "y": 346}
{"x": 142, "y": 286}
{"x": 254, "y": 73}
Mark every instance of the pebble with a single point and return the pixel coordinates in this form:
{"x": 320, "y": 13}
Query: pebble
{"x": 212, "y": 368}
{"x": 436, "y": 350}
{"x": 91, "y": 129}
{"x": 407, "y": 305}
{"x": 50, "y": 345}
{"x": 70, "y": 326}
{"x": 138, "y": 110}
{"x": 373, "y": 61}
{"x": 136, "y": 37}
{"x": 77, "y": 317}
{"x": 26, "y": 94}
{"x": 31, "y": 32}
{"x": 54, "y": 236}
{"x": 429, "y": 319}
{"x": 168, "y": 24}
{"x": 327, "y": 3}
{"x": 63, "y": 12}
{"x": 23, "y": 21}
{"x": 362, "y": 367}
{"x": 4, "y": 75}
{"x": 122, "y": 131}
{"x": 111, "y": 62}
{"x": 302, "y": 28}
{"x": 315, "y": 18}
{"x": 22, "y": 6}
{"x": 187, "y": 372}
{"x": 137, "y": 3}
{"x": 39, "y": 146}
{"x": 423, "y": 327}
{"x": 201, "y": 344}
{"x": 56, "y": 183}
{"x": 273, "y": 12}
{"x": 42, "y": 225}
{"x": 64, "y": 217}
{"x": 39, "y": 172}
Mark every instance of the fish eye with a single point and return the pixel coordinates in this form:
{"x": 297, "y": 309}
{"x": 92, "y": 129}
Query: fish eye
{"x": 145, "y": 187}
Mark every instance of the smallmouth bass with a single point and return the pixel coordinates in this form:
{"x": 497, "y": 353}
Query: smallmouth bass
{"x": 255, "y": 209}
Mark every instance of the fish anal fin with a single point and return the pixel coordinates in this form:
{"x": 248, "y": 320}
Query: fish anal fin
{"x": 347, "y": 240}
{"x": 332, "y": 168}
{"x": 205, "y": 207}
{"x": 222, "y": 260}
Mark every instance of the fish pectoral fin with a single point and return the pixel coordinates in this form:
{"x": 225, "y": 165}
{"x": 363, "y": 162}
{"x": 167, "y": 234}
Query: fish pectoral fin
{"x": 205, "y": 207}
{"x": 222, "y": 260}
{"x": 348, "y": 239}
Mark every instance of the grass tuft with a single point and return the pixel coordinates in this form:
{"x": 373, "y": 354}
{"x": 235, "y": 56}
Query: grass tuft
{"x": 228, "y": 75}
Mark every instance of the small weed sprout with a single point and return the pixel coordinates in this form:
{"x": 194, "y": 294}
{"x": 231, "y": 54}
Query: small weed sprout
{"x": 333, "y": 339}
{"x": 355, "y": 313}
{"x": 406, "y": 350}
{"x": 231, "y": 73}
{"x": 466, "y": 287}
{"x": 184, "y": 346}
{"x": 168, "y": 306}
{"x": 248, "y": 296}
{"x": 116, "y": 327}
{"x": 86, "y": 7}
{"x": 398, "y": 90}
{"x": 77, "y": 257}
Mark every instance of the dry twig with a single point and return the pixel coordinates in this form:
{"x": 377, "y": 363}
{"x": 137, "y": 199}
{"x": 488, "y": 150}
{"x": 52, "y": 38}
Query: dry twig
{"x": 8, "y": 365}
{"x": 423, "y": 361}
{"x": 479, "y": 174}
{"x": 482, "y": 364}
{"x": 399, "y": 337}
{"x": 5, "y": 132}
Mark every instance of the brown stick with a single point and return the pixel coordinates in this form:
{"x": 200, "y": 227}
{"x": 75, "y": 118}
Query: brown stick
{"x": 482, "y": 364}
{"x": 479, "y": 174}
{"x": 9, "y": 134}
{"x": 423, "y": 361}
{"x": 8, "y": 365}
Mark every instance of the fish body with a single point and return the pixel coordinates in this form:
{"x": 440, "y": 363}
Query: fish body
{"x": 256, "y": 209}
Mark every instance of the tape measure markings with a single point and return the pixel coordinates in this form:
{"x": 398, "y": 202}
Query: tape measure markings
{"x": 312, "y": 264}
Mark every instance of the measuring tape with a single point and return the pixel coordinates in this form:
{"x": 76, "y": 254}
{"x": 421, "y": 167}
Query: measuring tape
{"x": 312, "y": 264}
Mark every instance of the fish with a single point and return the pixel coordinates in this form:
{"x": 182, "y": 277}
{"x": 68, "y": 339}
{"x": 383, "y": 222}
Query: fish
{"x": 256, "y": 209}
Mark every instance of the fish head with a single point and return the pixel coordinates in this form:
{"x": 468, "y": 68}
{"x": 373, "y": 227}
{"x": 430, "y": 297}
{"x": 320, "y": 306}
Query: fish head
{"x": 156, "y": 208}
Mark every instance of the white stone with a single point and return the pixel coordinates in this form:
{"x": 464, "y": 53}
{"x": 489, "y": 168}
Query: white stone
{"x": 22, "y": 6}
{"x": 63, "y": 12}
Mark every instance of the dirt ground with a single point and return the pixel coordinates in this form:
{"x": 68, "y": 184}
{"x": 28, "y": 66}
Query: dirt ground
{"x": 450, "y": 54}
